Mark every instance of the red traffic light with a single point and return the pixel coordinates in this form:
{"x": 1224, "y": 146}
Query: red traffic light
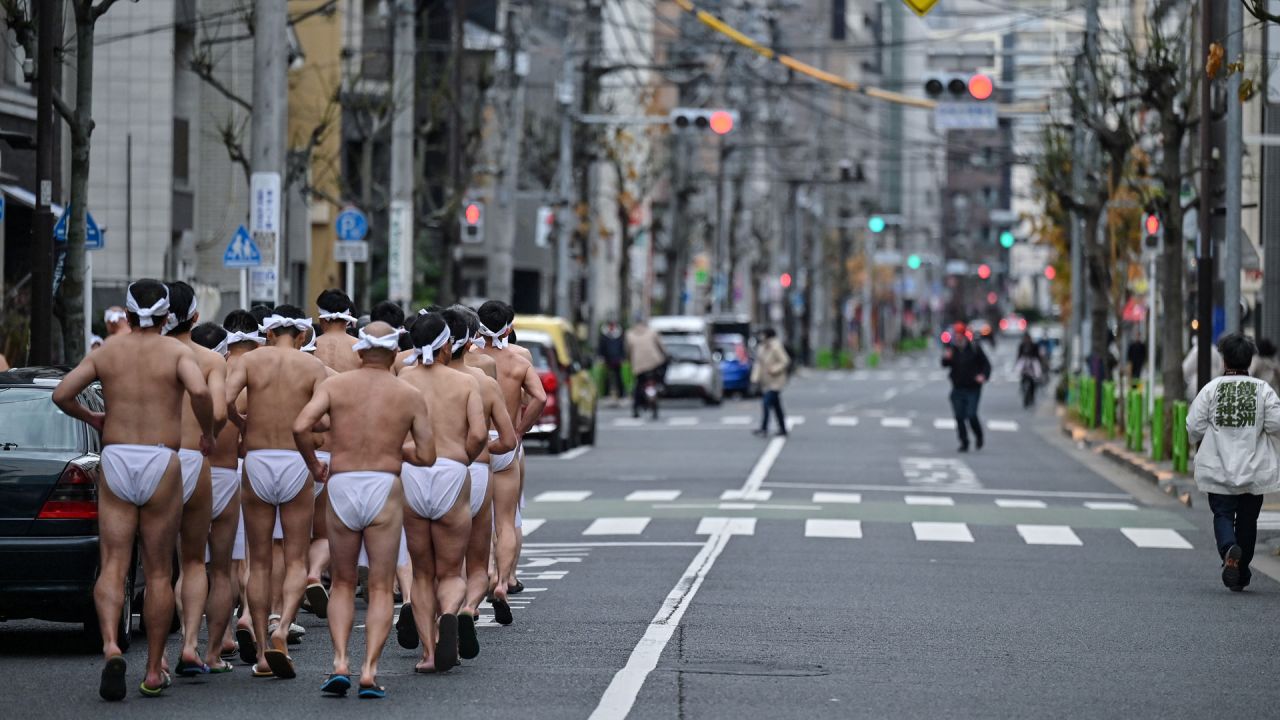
{"x": 1050, "y": 273}
{"x": 984, "y": 271}
{"x": 472, "y": 214}
{"x": 785, "y": 280}
{"x": 721, "y": 122}
{"x": 991, "y": 300}
{"x": 980, "y": 87}
{"x": 1152, "y": 223}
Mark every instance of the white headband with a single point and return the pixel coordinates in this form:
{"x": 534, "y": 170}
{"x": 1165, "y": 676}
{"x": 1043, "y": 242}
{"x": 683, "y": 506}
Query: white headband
{"x": 111, "y": 316}
{"x": 278, "y": 321}
{"x": 239, "y": 337}
{"x": 95, "y": 340}
{"x": 390, "y": 342}
{"x": 499, "y": 337}
{"x": 340, "y": 315}
{"x": 310, "y": 347}
{"x": 461, "y": 342}
{"x": 427, "y": 353}
{"x": 173, "y": 320}
{"x": 221, "y": 349}
{"x": 146, "y": 316}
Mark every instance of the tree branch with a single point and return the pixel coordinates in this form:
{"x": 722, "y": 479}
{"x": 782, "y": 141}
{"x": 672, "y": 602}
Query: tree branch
{"x": 202, "y": 66}
{"x": 100, "y": 9}
{"x": 1257, "y": 8}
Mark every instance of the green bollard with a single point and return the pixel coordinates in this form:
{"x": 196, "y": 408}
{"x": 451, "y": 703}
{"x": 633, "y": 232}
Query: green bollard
{"x": 1109, "y": 408}
{"x": 1158, "y": 450}
{"x": 1180, "y": 442}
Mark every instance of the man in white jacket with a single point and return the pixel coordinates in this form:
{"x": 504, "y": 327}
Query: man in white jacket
{"x": 1236, "y": 420}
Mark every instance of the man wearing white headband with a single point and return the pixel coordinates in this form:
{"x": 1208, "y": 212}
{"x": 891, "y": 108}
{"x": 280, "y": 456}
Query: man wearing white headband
{"x": 437, "y": 516}
{"x": 502, "y": 439}
{"x": 197, "y": 493}
{"x": 116, "y": 320}
{"x": 279, "y": 381}
{"x": 371, "y": 414}
{"x": 144, "y": 377}
{"x": 522, "y": 392}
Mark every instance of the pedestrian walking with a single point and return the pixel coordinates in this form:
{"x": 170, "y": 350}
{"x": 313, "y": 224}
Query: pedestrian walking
{"x": 770, "y": 372}
{"x": 1030, "y": 366}
{"x": 612, "y": 350}
{"x": 1190, "y": 366}
{"x": 1236, "y": 420}
{"x": 1136, "y": 356}
{"x": 970, "y": 369}
{"x": 1264, "y": 366}
{"x": 648, "y": 357}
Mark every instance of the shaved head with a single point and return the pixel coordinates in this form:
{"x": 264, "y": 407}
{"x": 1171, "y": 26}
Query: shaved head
{"x": 378, "y": 356}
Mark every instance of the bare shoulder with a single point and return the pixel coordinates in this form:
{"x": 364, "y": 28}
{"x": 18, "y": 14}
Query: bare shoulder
{"x": 308, "y": 362}
{"x": 209, "y": 360}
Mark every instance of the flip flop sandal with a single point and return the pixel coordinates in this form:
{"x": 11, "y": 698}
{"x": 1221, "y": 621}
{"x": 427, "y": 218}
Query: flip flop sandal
{"x": 189, "y": 669}
{"x": 468, "y": 642}
{"x": 281, "y": 664}
{"x": 318, "y": 600}
{"x": 259, "y": 673}
{"x": 501, "y": 612}
{"x": 407, "y": 628}
{"x": 248, "y": 648}
{"x": 516, "y": 588}
{"x": 220, "y": 668}
{"x": 155, "y": 692}
{"x": 447, "y": 642}
{"x": 372, "y": 693}
{"x": 112, "y": 686}
{"x": 336, "y": 685}
{"x": 231, "y": 654}
{"x": 296, "y": 633}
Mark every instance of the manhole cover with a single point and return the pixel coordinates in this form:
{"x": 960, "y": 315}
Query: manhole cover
{"x": 749, "y": 668}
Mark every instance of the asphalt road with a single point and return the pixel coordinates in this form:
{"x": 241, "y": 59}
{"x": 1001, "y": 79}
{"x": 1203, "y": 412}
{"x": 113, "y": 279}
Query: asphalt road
{"x": 860, "y": 568}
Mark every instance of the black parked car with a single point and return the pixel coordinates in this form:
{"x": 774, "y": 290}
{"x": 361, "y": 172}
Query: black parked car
{"x": 49, "y": 507}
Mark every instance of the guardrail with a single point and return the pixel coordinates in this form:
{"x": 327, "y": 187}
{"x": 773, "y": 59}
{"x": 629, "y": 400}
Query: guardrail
{"x": 1097, "y": 405}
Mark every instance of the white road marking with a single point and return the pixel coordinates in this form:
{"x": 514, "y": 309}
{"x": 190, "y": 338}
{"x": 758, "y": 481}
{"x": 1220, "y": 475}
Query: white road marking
{"x": 761, "y": 469}
{"x": 754, "y": 495}
{"x": 950, "y": 490}
{"x": 795, "y": 420}
{"x": 562, "y": 496}
{"x": 895, "y": 422}
{"x": 1156, "y": 538}
{"x": 830, "y": 497}
{"x": 889, "y": 394}
{"x": 574, "y": 453}
{"x": 1002, "y": 426}
{"x": 736, "y": 506}
{"x": 528, "y": 525}
{"x": 842, "y": 421}
{"x": 635, "y": 543}
{"x": 942, "y": 532}
{"x": 1008, "y": 503}
{"x": 1048, "y": 535}
{"x": 938, "y": 473}
{"x": 545, "y": 575}
{"x": 832, "y": 528}
{"x": 682, "y": 421}
{"x": 725, "y": 525}
{"x": 928, "y": 500}
{"x": 1110, "y": 506}
{"x": 617, "y": 526}
{"x": 653, "y": 495}
{"x": 944, "y": 423}
{"x": 628, "y": 422}
{"x": 736, "y": 420}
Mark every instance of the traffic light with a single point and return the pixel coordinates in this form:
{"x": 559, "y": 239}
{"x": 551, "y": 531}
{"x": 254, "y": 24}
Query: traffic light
{"x": 718, "y": 121}
{"x": 957, "y": 87}
{"x": 546, "y": 223}
{"x": 472, "y": 221}
{"x": 1152, "y": 232}
{"x": 1007, "y": 239}
{"x": 785, "y": 280}
{"x": 1050, "y": 272}
{"x": 984, "y": 271}
{"x": 913, "y": 262}
{"x": 876, "y": 224}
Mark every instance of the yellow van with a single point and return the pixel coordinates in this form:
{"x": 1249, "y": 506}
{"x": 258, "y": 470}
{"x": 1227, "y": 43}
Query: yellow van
{"x": 569, "y": 418}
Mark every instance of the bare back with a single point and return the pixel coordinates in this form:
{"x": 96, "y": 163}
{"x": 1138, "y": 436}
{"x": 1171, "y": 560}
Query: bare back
{"x": 512, "y": 371}
{"x": 280, "y": 382}
{"x": 334, "y": 350}
{"x": 372, "y": 413}
{"x": 448, "y": 393}
{"x": 143, "y": 391}
{"x": 214, "y": 369}
{"x": 226, "y": 449}
{"x": 490, "y": 401}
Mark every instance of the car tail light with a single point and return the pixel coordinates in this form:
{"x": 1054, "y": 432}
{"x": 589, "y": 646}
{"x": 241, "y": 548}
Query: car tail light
{"x": 946, "y": 337}
{"x": 1004, "y": 323}
{"x": 550, "y": 383}
{"x": 1022, "y": 324}
{"x": 75, "y": 497}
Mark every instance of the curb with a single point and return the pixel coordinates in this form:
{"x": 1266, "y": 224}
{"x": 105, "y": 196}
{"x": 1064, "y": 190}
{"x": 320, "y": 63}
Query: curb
{"x": 1179, "y": 486}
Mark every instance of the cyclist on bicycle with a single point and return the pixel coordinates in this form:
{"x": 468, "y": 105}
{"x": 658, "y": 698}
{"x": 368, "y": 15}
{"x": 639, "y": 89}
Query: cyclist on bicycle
{"x": 648, "y": 359}
{"x": 1031, "y": 369}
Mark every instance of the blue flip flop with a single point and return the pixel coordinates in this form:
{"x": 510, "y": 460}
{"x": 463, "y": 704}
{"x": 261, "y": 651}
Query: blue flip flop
{"x": 336, "y": 685}
{"x": 187, "y": 669}
{"x": 372, "y": 693}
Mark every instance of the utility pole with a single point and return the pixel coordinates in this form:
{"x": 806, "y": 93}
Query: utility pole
{"x": 565, "y": 215}
{"x": 400, "y": 223}
{"x": 41, "y": 352}
{"x": 1205, "y": 270}
{"x": 1234, "y": 151}
{"x": 270, "y": 97}
{"x": 499, "y": 260}
{"x": 449, "y": 285}
{"x": 1270, "y": 195}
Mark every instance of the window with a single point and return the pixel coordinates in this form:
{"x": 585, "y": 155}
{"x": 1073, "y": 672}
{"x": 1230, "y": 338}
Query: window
{"x": 30, "y": 421}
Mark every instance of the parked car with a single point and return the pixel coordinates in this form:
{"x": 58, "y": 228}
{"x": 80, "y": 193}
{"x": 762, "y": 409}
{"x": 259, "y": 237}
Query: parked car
{"x": 735, "y": 363}
{"x": 680, "y": 326}
{"x": 1013, "y": 324}
{"x": 691, "y": 371}
{"x": 49, "y": 508}
{"x": 569, "y": 418}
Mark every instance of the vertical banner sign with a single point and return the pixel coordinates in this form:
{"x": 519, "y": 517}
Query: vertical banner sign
{"x": 400, "y": 252}
{"x": 264, "y": 227}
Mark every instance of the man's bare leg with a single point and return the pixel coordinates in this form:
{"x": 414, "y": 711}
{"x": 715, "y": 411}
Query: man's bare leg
{"x": 344, "y": 549}
{"x": 318, "y": 552}
{"x": 222, "y": 586}
{"x": 157, "y": 527}
{"x": 419, "y": 537}
{"x": 382, "y": 541}
{"x": 259, "y": 521}
{"x": 449, "y": 537}
{"x": 193, "y": 537}
{"x": 506, "y": 497}
{"x": 511, "y": 579}
{"x": 478, "y": 552}
{"x": 277, "y": 577}
{"x": 295, "y": 517}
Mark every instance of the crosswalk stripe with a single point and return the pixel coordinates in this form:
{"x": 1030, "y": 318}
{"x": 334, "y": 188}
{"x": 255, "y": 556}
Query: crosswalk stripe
{"x": 729, "y": 526}
{"x": 1002, "y": 426}
{"x": 628, "y": 422}
{"x": 1110, "y": 506}
{"x": 942, "y": 532}
{"x": 653, "y": 495}
{"x": 833, "y": 497}
{"x": 928, "y": 500}
{"x": 562, "y": 496}
{"x": 1048, "y": 535}
{"x": 736, "y": 420}
{"x": 842, "y": 421}
{"x": 895, "y": 422}
{"x": 682, "y": 421}
{"x": 820, "y": 528}
{"x": 617, "y": 526}
{"x": 1008, "y": 503}
{"x": 528, "y": 525}
{"x": 756, "y": 495}
{"x": 1156, "y": 538}
{"x": 795, "y": 420}
{"x": 944, "y": 424}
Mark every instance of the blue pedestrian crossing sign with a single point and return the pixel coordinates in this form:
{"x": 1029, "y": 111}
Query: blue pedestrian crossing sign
{"x": 351, "y": 225}
{"x": 92, "y": 233}
{"x": 242, "y": 251}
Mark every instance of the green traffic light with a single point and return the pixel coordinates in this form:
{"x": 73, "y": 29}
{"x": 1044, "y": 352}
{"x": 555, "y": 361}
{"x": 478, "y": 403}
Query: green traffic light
{"x": 913, "y": 262}
{"x": 875, "y": 224}
{"x": 1006, "y": 239}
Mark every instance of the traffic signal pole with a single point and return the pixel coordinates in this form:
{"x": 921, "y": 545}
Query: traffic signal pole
{"x": 1234, "y": 152}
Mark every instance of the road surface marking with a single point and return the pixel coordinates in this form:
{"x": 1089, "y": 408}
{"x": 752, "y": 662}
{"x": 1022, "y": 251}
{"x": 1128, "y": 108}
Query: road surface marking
{"x": 617, "y": 526}
{"x": 628, "y": 422}
{"x": 760, "y": 471}
{"x": 1110, "y": 506}
{"x": 949, "y": 490}
{"x": 562, "y": 496}
{"x": 895, "y": 422}
{"x": 832, "y": 528}
{"x": 753, "y": 495}
{"x": 1048, "y": 535}
{"x": 653, "y": 495}
{"x": 682, "y": 421}
{"x": 942, "y": 532}
{"x": 944, "y": 424}
{"x": 528, "y": 525}
{"x": 736, "y": 420}
{"x": 842, "y": 421}
{"x": 795, "y": 420}
{"x": 928, "y": 500}
{"x": 574, "y": 453}
{"x": 726, "y": 525}
{"x": 545, "y": 575}
{"x": 1156, "y": 538}
{"x": 830, "y": 497}
{"x": 936, "y": 473}
{"x": 736, "y": 506}
{"x": 1008, "y": 503}
{"x": 635, "y": 543}
{"x": 1002, "y": 426}
{"x": 889, "y": 394}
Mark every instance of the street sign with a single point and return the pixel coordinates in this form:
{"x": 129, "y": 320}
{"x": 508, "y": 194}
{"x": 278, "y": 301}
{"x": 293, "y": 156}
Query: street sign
{"x": 351, "y": 225}
{"x": 920, "y": 7}
{"x": 1, "y": 206}
{"x": 965, "y": 116}
{"x": 264, "y": 202}
{"x": 242, "y": 251}
{"x": 93, "y": 239}
{"x": 351, "y": 251}
{"x": 262, "y": 284}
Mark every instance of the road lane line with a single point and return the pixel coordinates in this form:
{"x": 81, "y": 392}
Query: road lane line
{"x": 1024, "y": 504}
{"x": 1002, "y": 425}
{"x": 528, "y": 525}
{"x": 942, "y": 532}
{"x": 653, "y": 496}
{"x": 1048, "y": 535}
{"x": 928, "y": 500}
{"x": 574, "y": 453}
{"x": 830, "y": 497}
{"x": 950, "y": 490}
{"x": 628, "y": 422}
{"x": 1110, "y": 506}
{"x": 795, "y": 420}
{"x": 761, "y": 469}
{"x": 944, "y": 424}
{"x": 562, "y": 496}
{"x": 682, "y": 421}
{"x": 895, "y": 422}
{"x": 736, "y": 420}
{"x": 753, "y": 495}
{"x": 1156, "y": 538}
{"x": 633, "y": 543}
{"x": 842, "y": 421}
{"x": 820, "y": 528}
{"x": 617, "y": 526}
{"x": 730, "y": 525}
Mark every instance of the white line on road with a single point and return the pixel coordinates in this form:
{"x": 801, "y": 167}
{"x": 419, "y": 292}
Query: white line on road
{"x": 753, "y": 495}
{"x": 895, "y": 422}
{"x": 1048, "y": 535}
{"x": 944, "y": 424}
{"x": 830, "y": 497}
{"x": 682, "y": 421}
{"x": 574, "y": 453}
{"x": 562, "y": 496}
{"x": 637, "y": 543}
{"x": 528, "y": 525}
{"x": 653, "y": 496}
{"x": 762, "y": 468}
{"x": 628, "y": 422}
{"x": 819, "y": 528}
{"x": 736, "y": 420}
{"x": 928, "y": 500}
{"x": 730, "y": 525}
{"x": 617, "y": 526}
{"x": 1025, "y": 504}
{"x": 1156, "y": 538}
{"x": 1002, "y": 425}
{"x": 1110, "y": 506}
{"x": 889, "y": 394}
{"x": 795, "y": 420}
{"x": 942, "y": 532}
{"x": 736, "y": 506}
{"x": 951, "y": 490}
{"x": 842, "y": 421}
